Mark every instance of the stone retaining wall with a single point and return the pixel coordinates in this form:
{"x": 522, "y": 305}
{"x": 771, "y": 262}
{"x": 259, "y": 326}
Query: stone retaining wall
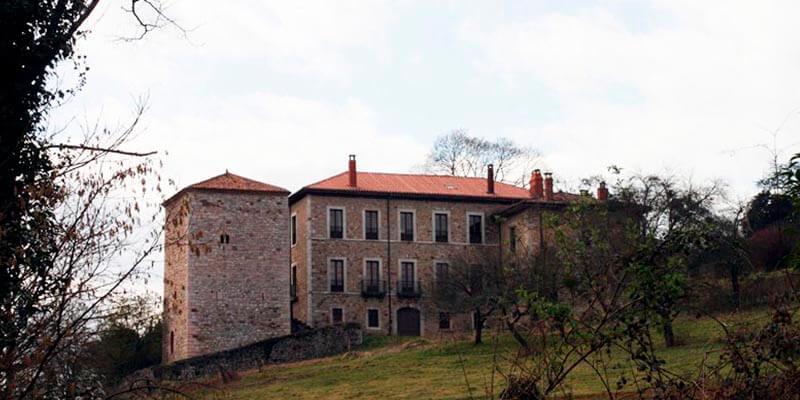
{"x": 315, "y": 343}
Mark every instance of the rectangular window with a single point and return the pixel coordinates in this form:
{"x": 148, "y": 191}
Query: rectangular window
{"x": 444, "y": 320}
{"x": 440, "y": 221}
{"x": 442, "y": 271}
{"x": 337, "y": 275}
{"x": 294, "y": 230}
{"x": 407, "y": 277}
{"x": 293, "y": 283}
{"x": 371, "y": 225}
{"x": 476, "y": 229}
{"x": 373, "y": 273}
{"x": 372, "y": 319}
{"x": 512, "y": 239}
{"x": 336, "y": 221}
{"x": 337, "y": 315}
{"x": 407, "y": 226}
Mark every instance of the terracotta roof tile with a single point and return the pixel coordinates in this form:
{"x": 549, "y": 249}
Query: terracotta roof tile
{"x": 442, "y": 185}
{"x": 229, "y": 181}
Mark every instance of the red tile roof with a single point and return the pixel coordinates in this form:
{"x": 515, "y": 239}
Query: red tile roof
{"x": 437, "y": 185}
{"x": 231, "y": 182}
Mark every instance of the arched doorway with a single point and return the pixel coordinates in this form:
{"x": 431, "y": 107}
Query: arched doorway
{"x": 408, "y": 323}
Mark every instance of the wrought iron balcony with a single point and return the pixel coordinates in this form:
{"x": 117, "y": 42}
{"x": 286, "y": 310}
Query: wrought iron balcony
{"x": 409, "y": 289}
{"x": 373, "y": 288}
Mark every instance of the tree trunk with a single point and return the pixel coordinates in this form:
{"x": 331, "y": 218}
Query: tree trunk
{"x": 669, "y": 335}
{"x": 478, "y": 327}
{"x": 735, "y": 289}
{"x": 519, "y": 338}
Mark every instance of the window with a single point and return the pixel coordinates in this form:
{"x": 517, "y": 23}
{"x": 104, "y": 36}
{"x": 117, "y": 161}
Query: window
{"x": 337, "y": 275}
{"x": 337, "y": 315}
{"x": 373, "y": 273}
{"x": 442, "y": 271}
{"x": 476, "y": 229}
{"x": 406, "y": 277}
{"x": 407, "y": 226}
{"x": 440, "y": 227}
{"x": 294, "y": 230}
{"x": 372, "y": 319}
{"x": 336, "y": 223}
{"x": 444, "y": 320}
{"x": 512, "y": 239}
{"x": 224, "y": 239}
{"x": 371, "y": 225}
{"x": 293, "y": 283}
{"x": 171, "y": 342}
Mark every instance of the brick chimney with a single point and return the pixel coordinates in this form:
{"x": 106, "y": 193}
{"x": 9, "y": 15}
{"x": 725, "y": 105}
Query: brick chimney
{"x": 352, "y": 170}
{"x": 548, "y": 186}
{"x": 536, "y": 184}
{"x": 602, "y": 192}
{"x": 490, "y": 179}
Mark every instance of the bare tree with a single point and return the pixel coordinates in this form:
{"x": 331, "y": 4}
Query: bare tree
{"x": 473, "y": 285}
{"x": 459, "y": 154}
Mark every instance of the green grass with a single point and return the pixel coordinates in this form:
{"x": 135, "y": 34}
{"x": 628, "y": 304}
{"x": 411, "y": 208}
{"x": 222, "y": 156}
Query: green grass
{"x": 403, "y": 368}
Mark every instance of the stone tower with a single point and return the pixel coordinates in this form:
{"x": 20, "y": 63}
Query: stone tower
{"x": 226, "y": 270}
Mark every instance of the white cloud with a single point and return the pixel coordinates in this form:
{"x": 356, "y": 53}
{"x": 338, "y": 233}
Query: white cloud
{"x": 704, "y": 82}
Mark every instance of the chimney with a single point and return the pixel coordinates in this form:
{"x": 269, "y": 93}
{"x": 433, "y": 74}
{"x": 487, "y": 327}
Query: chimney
{"x": 352, "y": 170}
{"x": 548, "y": 186}
{"x": 602, "y": 192}
{"x": 536, "y": 184}
{"x": 490, "y": 179}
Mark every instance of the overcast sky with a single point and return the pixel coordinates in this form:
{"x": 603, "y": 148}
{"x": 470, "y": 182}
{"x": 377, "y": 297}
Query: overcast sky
{"x": 282, "y": 92}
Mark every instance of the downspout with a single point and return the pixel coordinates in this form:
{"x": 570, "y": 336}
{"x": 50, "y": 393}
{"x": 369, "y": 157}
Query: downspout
{"x": 389, "y": 263}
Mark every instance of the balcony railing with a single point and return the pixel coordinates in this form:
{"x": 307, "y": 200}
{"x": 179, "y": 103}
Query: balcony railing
{"x": 293, "y": 292}
{"x": 409, "y": 289}
{"x": 373, "y": 288}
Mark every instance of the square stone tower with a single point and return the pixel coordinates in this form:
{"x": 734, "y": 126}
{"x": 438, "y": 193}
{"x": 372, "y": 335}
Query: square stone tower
{"x": 226, "y": 270}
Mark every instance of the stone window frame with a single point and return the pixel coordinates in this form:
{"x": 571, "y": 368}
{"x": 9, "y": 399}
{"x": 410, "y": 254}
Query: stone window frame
{"x": 380, "y": 267}
{"x": 414, "y": 261}
{"x": 364, "y": 224}
{"x": 366, "y": 321}
{"x": 293, "y": 229}
{"x": 344, "y": 315}
{"x": 344, "y": 274}
{"x": 449, "y": 226}
{"x": 483, "y": 226}
{"x": 328, "y": 222}
{"x": 414, "y": 232}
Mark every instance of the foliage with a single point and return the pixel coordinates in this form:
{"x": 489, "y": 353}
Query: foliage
{"x": 67, "y": 209}
{"x": 768, "y": 209}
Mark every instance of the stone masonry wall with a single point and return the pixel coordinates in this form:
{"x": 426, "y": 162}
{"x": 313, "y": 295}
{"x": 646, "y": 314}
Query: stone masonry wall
{"x": 299, "y": 258}
{"x": 311, "y": 344}
{"x": 238, "y": 292}
{"x": 424, "y": 252}
{"x": 176, "y": 255}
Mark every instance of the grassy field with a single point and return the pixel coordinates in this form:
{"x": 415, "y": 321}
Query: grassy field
{"x": 402, "y": 368}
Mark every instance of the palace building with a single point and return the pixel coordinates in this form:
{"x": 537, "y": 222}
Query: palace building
{"x": 244, "y": 258}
